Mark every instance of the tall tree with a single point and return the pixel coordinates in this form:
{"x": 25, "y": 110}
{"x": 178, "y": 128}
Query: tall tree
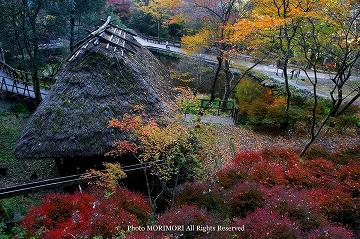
{"x": 289, "y": 13}
{"x": 328, "y": 32}
{"x": 160, "y": 10}
{"x": 214, "y": 17}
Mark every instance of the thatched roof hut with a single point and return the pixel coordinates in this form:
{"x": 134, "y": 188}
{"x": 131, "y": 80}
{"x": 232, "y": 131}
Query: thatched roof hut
{"x": 106, "y": 77}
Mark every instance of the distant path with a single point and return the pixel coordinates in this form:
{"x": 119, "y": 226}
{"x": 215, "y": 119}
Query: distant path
{"x": 268, "y": 70}
{"x": 211, "y": 119}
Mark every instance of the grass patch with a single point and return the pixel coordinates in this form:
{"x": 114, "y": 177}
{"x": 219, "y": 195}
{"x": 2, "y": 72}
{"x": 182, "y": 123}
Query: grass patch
{"x": 12, "y": 123}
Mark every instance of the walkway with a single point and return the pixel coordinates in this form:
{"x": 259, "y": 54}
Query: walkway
{"x": 17, "y": 86}
{"x": 268, "y": 70}
{"x": 211, "y": 119}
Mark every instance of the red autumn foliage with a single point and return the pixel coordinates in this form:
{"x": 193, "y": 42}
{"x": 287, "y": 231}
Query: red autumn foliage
{"x": 349, "y": 177}
{"x": 201, "y": 195}
{"x": 84, "y": 215}
{"x": 336, "y": 203}
{"x": 331, "y": 232}
{"x": 229, "y": 175}
{"x": 272, "y": 192}
{"x": 245, "y": 198}
{"x": 60, "y": 212}
{"x": 290, "y": 202}
{"x": 324, "y": 190}
{"x": 132, "y": 202}
{"x": 188, "y": 215}
{"x": 322, "y": 172}
{"x": 121, "y": 7}
{"x": 264, "y": 224}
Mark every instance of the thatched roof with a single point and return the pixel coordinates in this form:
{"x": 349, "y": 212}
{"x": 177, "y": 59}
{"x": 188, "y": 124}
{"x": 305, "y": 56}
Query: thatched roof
{"x": 108, "y": 76}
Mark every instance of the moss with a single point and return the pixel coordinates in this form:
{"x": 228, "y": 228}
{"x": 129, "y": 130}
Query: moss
{"x": 59, "y": 112}
{"x": 10, "y": 131}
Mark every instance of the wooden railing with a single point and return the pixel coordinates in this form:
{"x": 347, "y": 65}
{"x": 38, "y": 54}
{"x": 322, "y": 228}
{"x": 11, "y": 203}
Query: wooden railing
{"x": 20, "y": 82}
{"x": 16, "y": 87}
{"x": 14, "y": 74}
{"x": 161, "y": 41}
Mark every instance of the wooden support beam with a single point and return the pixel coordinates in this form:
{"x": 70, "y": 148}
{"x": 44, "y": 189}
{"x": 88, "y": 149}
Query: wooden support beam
{"x": 123, "y": 38}
{"x": 103, "y": 39}
{"x": 122, "y": 29}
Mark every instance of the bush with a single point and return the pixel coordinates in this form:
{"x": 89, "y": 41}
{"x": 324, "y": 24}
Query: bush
{"x": 131, "y": 202}
{"x": 85, "y": 215}
{"x": 260, "y": 106}
{"x": 289, "y": 202}
{"x": 245, "y": 198}
{"x": 203, "y": 196}
{"x": 264, "y": 224}
{"x": 230, "y": 175}
{"x": 264, "y": 167}
{"x": 335, "y": 203}
{"x": 331, "y": 232}
{"x": 349, "y": 176}
{"x": 187, "y": 215}
{"x": 321, "y": 172}
{"x": 56, "y": 213}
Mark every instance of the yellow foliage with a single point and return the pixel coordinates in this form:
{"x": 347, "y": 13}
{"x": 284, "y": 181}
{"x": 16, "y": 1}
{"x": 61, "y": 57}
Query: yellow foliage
{"x": 197, "y": 41}
{"x": 158, "y": 9}
{"x": 109, "y": 177}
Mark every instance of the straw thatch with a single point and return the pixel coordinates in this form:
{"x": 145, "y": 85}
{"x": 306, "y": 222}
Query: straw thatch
{"x": 101, "y": 81}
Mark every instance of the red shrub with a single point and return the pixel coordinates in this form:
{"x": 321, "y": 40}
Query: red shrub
{"x": 245, "y": 198}
{"x": 290, "y": 203}
{"x": 203, "y": 196}
{"x": 331, "y": 232}
{"x": 269, "y": 173}
{"x": 57, "y": 211}
{"x": 264, "y": 224}
{"x": 349, "y": 177}
{"x": 322, "y": 172}
{"x": 264, "y": 167}
{"x": 83, "y": 216}
{"x": 232, "y": 174}
{"x": 298, "y": 176}
{"x": 280, "y": 155}
{"x": 187, "y": 215}
{"x": 131, "y": 202}
{"x": 337, "y": 204}
{"x": 247, "y": 158}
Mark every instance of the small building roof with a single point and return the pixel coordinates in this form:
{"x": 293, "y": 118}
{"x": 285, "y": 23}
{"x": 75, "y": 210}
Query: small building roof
{"x": 109, "y": 75}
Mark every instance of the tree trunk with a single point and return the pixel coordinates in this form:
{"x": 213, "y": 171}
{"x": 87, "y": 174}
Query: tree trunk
{"x": 158, "y": 30}
{"x": 36, "y": 85}
{"x": 212, "y": 92}
{"x": 287, "y": 87}
{"x": 338, "y": 102}
{"x": 227, "y": 89}
{"x": 72, "y": 32}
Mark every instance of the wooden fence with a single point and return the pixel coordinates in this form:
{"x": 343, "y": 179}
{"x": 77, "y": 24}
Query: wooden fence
{"x": 161, "y": 41}
{"x": 20, "y": 82}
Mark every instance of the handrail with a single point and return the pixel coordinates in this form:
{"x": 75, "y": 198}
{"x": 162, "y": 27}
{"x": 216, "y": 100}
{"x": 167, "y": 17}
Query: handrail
{"x": 21, "y": 76}
{"x": 18, "y": 75}
{"x": 162, "y": 40}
